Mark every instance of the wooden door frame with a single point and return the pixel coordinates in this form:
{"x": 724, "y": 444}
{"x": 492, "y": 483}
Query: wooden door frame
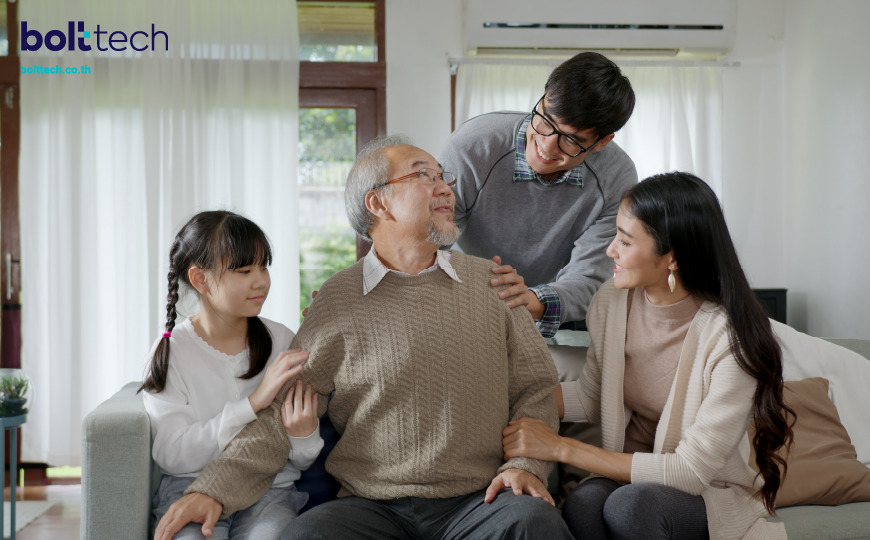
{"x": 10, "y": 236}
{"x": 10, "y": 231}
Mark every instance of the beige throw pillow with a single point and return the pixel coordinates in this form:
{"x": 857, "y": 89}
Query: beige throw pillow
{"x": 822, "y": 467}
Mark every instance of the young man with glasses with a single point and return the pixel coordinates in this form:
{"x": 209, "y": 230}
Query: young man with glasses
{"x": 542, "y": 190}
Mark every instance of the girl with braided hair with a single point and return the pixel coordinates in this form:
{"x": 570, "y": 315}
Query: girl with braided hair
{"x": 211, "y": 374}
{"x": 682, "y": 359}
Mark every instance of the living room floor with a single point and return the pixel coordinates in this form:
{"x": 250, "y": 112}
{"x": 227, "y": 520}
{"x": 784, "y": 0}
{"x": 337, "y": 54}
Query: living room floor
{"x": 61, "y": 520}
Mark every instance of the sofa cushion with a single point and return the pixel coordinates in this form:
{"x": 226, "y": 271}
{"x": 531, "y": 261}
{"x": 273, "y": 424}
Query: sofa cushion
{"x": 847, "y": 371}
{"x": 813, "y": 522}
{"x": 822, "y": 464}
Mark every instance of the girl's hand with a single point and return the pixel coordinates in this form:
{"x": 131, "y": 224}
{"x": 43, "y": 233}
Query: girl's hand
{"x": 532, "y": 438}
{"x": 284, "y": 368}
{"x": 299, "y": 412}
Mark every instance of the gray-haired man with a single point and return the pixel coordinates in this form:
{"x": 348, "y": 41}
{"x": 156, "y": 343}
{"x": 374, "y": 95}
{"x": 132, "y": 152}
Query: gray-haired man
{"x": 428, "y": 366}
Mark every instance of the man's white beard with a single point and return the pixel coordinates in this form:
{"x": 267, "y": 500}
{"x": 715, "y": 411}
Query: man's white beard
{"x": 442, "y": 237}
{"x": 450, "y": 234}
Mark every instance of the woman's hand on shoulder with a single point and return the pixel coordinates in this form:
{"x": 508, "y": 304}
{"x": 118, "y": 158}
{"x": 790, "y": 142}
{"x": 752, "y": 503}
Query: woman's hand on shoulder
{"x": 287, "y": 365}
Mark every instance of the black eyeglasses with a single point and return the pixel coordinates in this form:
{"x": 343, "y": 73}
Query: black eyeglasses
{"x": 545, "y": 127}
{"x": 429, "y": 175}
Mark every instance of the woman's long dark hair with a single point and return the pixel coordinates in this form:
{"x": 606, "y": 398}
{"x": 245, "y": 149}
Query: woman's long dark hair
{"x": 217, "y": 241}
{"x": 682, "y": 214}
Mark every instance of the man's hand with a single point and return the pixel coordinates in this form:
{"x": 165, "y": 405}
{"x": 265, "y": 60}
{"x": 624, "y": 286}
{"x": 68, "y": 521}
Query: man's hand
{"x": 299, "y": 412}
{"x": 192, "y": 508}
{"x": 517, "y": 293}
{"x": 521, "y": 482}
{"x": 531, "y": 438}
{"x": 305, "y": 311}
{"x": 287, "y": 365}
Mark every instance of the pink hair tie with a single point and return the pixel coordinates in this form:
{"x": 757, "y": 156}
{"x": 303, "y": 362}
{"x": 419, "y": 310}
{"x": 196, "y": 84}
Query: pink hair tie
{"x": 167, "y": 333}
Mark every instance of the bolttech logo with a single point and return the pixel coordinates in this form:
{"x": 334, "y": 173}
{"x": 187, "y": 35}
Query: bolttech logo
{"x": 76, "y": 36}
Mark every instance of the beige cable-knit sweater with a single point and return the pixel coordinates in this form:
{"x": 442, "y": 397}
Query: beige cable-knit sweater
{"x": 427, "y": 372}
{"x": 701, "y": 445}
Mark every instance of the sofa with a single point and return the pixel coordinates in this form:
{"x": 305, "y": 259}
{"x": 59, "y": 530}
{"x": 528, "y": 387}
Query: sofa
{"x": 119, "y": 477}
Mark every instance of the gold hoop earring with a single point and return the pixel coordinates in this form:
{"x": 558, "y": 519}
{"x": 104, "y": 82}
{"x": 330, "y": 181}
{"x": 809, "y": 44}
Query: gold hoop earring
{"x": 672, "y": 281}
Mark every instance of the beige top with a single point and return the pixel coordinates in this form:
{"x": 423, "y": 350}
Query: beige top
{"x": 427, "y": 372}
{"x": 700, "y": 445}
{"x": 653, "y": 341}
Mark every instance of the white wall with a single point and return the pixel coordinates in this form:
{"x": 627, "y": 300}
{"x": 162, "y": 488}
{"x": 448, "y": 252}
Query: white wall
{"x": 753, "y": 142}
{"x": 421, "y": 36}
{"x": 797, "y": 142}
{"x": 797, "y": 158}
{"x": 827, "y": 165}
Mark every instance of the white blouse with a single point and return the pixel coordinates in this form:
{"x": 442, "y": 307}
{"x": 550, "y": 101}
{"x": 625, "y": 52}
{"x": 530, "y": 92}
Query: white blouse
{"x": 205, "y": 404}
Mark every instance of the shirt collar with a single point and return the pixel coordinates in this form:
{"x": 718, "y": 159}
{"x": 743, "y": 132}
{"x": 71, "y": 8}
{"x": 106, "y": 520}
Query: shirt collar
{"x": 523, "y": 172}
{"x": 374, "y": 270}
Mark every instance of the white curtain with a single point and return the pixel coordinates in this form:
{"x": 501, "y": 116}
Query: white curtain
{"x": 677, "y": 119}
{"x": 115, "y": 161}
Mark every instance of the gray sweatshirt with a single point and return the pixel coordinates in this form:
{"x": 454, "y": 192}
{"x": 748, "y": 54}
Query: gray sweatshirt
{"x": 552, "y": 234}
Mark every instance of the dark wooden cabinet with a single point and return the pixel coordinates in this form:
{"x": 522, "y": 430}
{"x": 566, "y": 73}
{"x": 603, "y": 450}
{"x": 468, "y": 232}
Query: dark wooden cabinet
{"x": 774, "y": 300}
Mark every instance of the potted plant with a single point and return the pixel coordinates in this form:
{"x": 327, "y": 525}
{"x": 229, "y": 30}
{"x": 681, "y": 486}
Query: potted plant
{"x": 14, "y": 392}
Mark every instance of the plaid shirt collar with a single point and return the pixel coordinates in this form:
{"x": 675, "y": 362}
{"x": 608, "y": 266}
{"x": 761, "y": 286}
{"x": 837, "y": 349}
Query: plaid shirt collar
{"x": 374, "y": 270}
{"x": 524, "y": 173}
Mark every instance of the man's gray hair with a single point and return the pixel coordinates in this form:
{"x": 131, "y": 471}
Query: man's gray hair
{"x": 369, "y": 169}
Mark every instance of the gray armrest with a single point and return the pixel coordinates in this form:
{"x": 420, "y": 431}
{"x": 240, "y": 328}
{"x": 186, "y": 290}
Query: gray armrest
{"x": 118, "y": 475}
{"x": 860, "y": 346}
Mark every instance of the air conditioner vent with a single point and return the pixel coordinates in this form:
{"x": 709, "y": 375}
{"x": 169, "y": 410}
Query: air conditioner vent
{"x": 598, "y": 26}
{"x": 688, "y": 26}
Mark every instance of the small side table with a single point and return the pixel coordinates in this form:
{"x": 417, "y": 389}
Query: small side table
{"x": 11, "y": 423}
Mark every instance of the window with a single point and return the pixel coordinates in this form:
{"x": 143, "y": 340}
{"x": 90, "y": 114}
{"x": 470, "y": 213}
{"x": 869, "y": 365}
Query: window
{"x": 327, "y": 243}
{"x": 342, "y": 106}
{"x": 337, "y": 32}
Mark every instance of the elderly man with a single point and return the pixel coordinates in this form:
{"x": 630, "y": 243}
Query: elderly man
{"x": 428, "y": 367}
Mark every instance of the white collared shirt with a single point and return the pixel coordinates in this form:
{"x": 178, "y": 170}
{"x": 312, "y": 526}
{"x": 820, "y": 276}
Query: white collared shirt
{"x": 374, "y": 270}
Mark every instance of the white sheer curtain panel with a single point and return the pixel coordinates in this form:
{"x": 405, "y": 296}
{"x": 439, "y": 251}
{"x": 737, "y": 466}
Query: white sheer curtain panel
{"x": 114, "y": 162}
{"x": 677, "y": 119}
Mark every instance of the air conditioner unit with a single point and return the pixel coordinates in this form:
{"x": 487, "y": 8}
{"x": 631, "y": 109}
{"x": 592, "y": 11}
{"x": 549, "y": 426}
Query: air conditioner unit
{"x": 670, "y": 27}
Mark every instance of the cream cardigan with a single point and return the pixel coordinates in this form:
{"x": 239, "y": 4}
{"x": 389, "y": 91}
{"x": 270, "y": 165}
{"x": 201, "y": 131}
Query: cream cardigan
{"x": 701, "y": 445}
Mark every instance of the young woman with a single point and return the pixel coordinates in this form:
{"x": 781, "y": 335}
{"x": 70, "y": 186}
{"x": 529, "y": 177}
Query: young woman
{"x": 682, "y": 359}
{"x": 210, "y": 376}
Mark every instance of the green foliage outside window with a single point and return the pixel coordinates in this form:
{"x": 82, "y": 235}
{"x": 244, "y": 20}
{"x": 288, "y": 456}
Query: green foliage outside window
{"x": 327, "y": 244}
{"x": 326, "y": 135}
{"x": 322, "y": 255}
{"x": 338, "y": 53}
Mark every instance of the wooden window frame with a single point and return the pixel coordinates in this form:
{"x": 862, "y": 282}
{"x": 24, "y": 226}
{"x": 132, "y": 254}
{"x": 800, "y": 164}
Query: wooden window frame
{"x": 360, "y": 85}
{"x": 354, "y": 75}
